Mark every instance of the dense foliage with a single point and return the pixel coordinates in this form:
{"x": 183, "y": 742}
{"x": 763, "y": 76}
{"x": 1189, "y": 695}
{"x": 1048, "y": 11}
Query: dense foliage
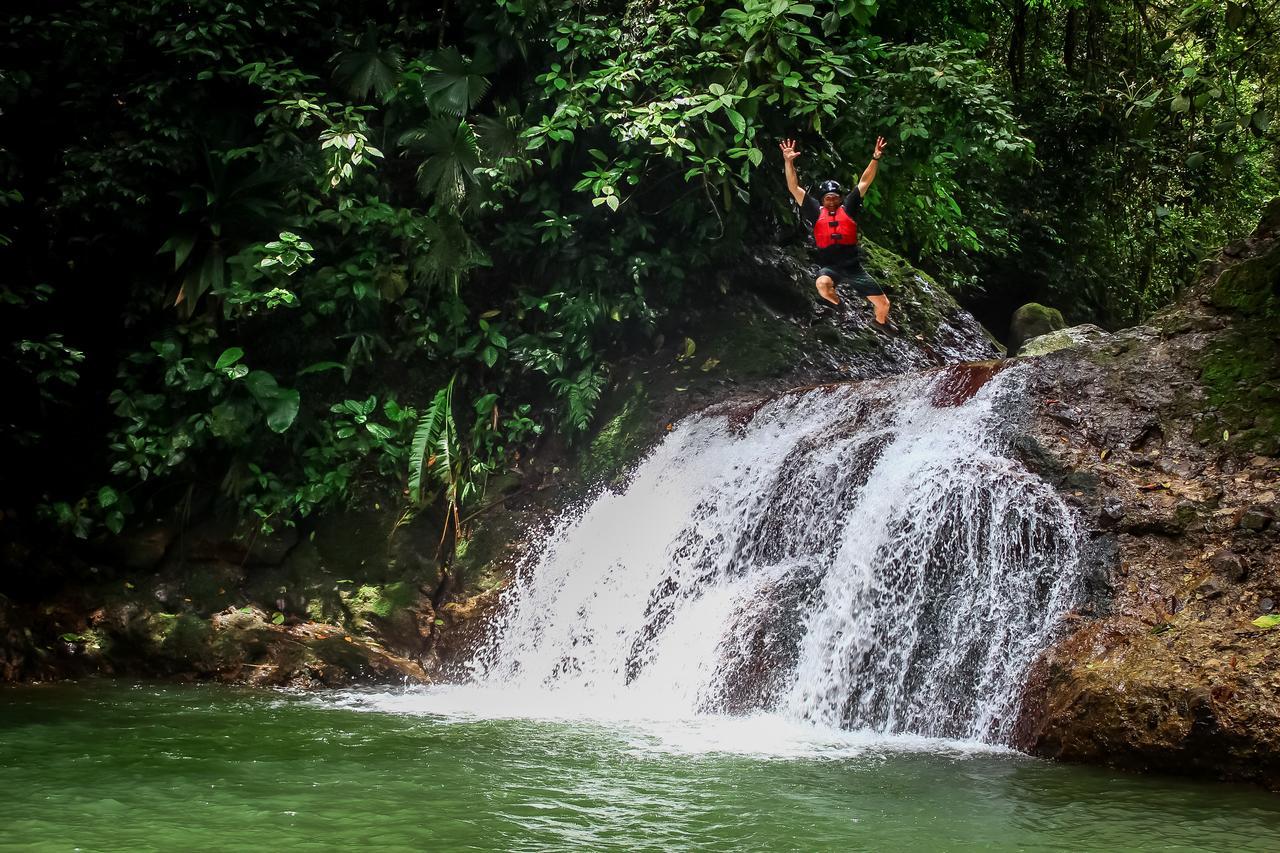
{"x": 287, "y": 254}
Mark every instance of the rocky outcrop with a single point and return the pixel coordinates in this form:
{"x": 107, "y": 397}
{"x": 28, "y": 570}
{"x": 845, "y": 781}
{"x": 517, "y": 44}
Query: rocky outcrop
{"x": 1165, "y": 438}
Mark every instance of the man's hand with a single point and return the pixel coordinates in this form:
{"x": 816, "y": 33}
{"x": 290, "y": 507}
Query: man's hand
{"x": 789, "y": 152}
{"x": 879, "y": 148}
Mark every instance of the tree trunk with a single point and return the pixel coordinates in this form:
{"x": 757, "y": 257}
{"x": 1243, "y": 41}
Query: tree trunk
{"x": 1069, "y": 37}
{"x": 1017, "y": 59}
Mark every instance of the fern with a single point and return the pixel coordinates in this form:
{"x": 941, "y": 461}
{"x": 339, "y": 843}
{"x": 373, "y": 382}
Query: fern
{"x": 581, "y": 394}
{"x": 432, "y": 426}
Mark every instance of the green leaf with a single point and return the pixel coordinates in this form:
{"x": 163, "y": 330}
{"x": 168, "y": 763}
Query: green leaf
{"x": 229, "y": 357}
{"x": 379, "y": 431}
{"x": 321, "y": 366}
{"x": 280, "y": 405}
{"x": 368, "y": 67}
{"x": 277, "y": 618}
{"x": 1195, "y": 160}
{"x": 1271, "y": 620}
{"x": 435, "y": 424}
{"x": 107, "y": 497}
{"x": 695, "y": 13}
{"x": 454, "y": 84}
{"x": 735, "y": 118}
{"x": 1180, "y": 104}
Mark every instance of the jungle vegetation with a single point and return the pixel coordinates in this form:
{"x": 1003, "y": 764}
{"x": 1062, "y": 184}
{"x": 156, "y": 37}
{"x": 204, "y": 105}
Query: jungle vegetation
{"x": 306, "y": 254}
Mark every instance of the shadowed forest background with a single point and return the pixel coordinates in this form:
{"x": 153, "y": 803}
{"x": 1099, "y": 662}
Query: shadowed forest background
{"x": 298, "y": 256}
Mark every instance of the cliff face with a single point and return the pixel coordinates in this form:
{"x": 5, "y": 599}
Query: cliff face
{"x": 1166, "y": 437}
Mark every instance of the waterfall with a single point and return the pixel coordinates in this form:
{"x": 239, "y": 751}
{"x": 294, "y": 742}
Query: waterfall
{"x": 864, "y": 556}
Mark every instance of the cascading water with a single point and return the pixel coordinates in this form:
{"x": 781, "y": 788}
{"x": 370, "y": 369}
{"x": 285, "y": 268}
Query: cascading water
{"x": 861, "y": 556}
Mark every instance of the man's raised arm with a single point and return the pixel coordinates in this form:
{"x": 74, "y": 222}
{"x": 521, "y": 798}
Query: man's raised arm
{"x": 869, "y": 174}
{"x": 789, "y": 155}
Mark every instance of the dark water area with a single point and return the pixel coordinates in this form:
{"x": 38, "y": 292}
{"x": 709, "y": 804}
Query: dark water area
{"x": 108, "y": 766}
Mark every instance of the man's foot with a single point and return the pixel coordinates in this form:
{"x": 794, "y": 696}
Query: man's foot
{"x": 888, "y": 327}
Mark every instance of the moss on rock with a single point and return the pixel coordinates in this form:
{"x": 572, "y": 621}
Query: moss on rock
{"x": 1251, "y": 287}
{"x": 1241, "y": 375}
{"x": 1061, "y": 339}
{"x": 1033, "y": 320}
{"x": 623, "y": 438}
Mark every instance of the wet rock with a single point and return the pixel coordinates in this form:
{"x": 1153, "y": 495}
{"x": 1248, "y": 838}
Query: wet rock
{"x": 1113, "y": 511}
{"x": 1180, "y": 423}
{"x": 232, "y": 540}
{"x": 1256, "y": 517}
{"x": 1229, "y": 565}
{"x": 1211, "y": 587}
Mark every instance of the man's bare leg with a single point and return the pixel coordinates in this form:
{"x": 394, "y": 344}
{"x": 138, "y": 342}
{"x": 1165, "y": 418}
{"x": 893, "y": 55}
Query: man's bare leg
{"x": 827, "y": 289}
{"x": 881, "y": 305}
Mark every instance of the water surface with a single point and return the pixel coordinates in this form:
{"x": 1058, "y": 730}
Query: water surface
{"x": 106, "y": 766}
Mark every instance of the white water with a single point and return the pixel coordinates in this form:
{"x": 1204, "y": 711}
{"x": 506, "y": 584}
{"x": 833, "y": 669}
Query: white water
{"x": 851, "y": 558}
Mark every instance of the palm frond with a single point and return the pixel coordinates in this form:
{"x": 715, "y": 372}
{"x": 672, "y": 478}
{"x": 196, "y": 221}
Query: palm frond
{"x": 426, "y": 439}
{"x": 452, "y": 156}
{"x": 368, "y": 67}
{"x": 453, "y": 83}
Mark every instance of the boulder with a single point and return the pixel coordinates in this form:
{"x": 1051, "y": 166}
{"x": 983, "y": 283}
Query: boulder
{"x": 1033, "y": 320}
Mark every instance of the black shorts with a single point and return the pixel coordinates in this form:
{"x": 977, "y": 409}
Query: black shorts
{"x": 855, "y": 277}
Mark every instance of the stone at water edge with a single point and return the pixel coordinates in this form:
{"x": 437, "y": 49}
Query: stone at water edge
{"x": 1062, "y": 339}
{"x": 1033, "y": 320}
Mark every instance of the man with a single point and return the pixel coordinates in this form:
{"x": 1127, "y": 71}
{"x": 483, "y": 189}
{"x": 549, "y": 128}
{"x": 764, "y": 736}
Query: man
{"x": 835, "y": 230}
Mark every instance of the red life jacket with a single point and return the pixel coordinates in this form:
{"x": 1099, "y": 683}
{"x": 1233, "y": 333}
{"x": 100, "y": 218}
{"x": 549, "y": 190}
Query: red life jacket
{"x": 835, "y": 229}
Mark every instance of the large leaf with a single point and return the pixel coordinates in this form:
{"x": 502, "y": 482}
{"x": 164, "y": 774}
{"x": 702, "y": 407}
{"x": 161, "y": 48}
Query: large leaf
{"x": 453, "y": 155}
{"x": 368, "y": 67}
{"x": 433, "y": 425}
{"x": 453, "y": 84}
{"x": 280, "y": 405}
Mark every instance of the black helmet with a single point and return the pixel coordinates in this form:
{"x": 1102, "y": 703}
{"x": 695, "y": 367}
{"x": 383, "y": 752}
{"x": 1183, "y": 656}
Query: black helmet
{"x": 827, "y": 187}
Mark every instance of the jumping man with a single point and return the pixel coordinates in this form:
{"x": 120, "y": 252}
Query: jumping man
{"x": 835, "y": 230}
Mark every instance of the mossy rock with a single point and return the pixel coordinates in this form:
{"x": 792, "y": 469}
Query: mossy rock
{"x": 182, "y": 639}
{"x": 1031, "y": 321}
{"x": 370, "y": 601}
{"x": 1061, "y": 339}
{"x": 1241, "y": 376}
{"x": 1251, "y": 287}
{"x": 918, "y": 300}
{"x": 623, "y": 438}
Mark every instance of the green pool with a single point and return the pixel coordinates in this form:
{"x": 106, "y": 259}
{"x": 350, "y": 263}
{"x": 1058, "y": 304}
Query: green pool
{"x": 107, "y": 766}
